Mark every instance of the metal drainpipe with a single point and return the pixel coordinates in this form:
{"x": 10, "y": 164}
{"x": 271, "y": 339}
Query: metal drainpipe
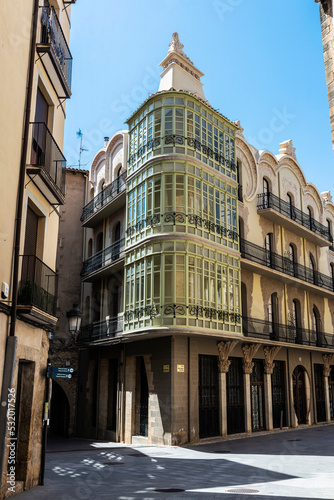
{"x": 11, "y": 339}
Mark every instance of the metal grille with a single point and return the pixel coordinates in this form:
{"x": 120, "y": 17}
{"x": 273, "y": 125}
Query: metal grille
{"x": 299, "y": 398}
{"x": 320, "y": 392}
{"x": 208, "y": 396}
{"x": 257, "y": 396}
{"x": 278, "y": 394}
{"x": 235, "y": 397}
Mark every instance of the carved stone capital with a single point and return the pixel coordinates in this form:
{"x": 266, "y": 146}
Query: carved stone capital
{"x": 248, "y": 367}
{"x": 269, "y": 354}
{"x": 223, "y": 365}
{"x": 249, "y": 351}
{"x": 269, "y": 368}
{"x": 224, "y": 350}
{"x": 327, "y": 358}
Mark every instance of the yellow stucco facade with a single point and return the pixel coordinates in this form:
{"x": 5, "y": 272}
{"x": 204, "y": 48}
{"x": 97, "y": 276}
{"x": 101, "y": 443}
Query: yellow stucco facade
{"x": 49, "y": 77}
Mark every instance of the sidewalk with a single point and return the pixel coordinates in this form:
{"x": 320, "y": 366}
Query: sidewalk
{"x": 293, "y": 464}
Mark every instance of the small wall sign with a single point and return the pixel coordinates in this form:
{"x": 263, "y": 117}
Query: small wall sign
{"x": 166, "y": 368}
{"x": 180, "y": 368}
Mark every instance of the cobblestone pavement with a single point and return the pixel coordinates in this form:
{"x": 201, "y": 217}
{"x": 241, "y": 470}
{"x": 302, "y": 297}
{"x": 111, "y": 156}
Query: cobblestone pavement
{"x": 293, "y": 464}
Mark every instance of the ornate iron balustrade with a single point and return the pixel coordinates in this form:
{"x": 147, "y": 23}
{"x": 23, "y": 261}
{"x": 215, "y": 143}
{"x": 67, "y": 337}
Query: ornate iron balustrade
{"x": 181, "y": 140}
{"x": 269, "y": 200}
{"x": 107, "y": 194}
{"x": 46, "y": 153}
{"x": 38, "y": 285}
{"x": 285, "y": 333}
{"x": 100, "y": 330}
{"x": 103, "y": 258}
{"x": 181, "y": 218}
{"x": 284, "y": 265}
{"x": 181, "y": 310}
{"x": 52, "y": 34}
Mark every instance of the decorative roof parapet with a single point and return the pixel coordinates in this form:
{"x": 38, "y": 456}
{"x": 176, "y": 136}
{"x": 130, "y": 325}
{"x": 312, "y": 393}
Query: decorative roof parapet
{"x": 176, "y": 46}
{"x": 286, "y": 148}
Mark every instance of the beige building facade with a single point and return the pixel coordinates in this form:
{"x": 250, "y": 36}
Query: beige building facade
{"x": 326, "y": 10}
{"x": 37, "y": 62}
{"x": 207, "y": 280}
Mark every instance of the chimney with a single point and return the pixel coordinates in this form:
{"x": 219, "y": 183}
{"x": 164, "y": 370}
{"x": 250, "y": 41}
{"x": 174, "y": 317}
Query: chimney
{"x": 106, "y": 140}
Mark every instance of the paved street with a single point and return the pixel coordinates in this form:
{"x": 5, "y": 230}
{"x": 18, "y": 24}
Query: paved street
{"x": 295, "y": 464}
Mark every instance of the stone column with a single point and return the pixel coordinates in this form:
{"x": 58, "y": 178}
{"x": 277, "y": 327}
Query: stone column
{"x": 269, "y": 353}
{"x": 327, "y": 369}
{"x": 224, "y": 349}
{"x": 249, "y": 351}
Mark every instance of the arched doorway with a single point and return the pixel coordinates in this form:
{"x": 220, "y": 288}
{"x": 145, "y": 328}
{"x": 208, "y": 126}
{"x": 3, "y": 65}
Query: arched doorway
{"x": 299, "y": 393}
{"x": 60, "y": 411}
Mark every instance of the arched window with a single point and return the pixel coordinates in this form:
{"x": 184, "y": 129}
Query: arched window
{"x": 91, "y": 194}
{"x": 266, "y": 193}
{"x": 313, "y": 270}
{"x": 119, "y": 179}
{"x": 330, "y": 233}
{"x": 99, "y": 242}
{"x": 90, "y": 248}
{"x": 296, "y": 320}
{"x": 239, "y": 180}
{"x": 320, "y": 339}
{"x": 268, "y": 246}
{"x": 332, "y": 275}
{"x": 293, "y": 260}
{"x": 291, "y": 209}
{"x": 310, "y": 218}
{"x": 273, "y": 317}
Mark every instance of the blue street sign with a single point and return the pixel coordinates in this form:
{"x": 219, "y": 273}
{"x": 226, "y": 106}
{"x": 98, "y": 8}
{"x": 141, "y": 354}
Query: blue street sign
{"x": 61, "y": 375}
{"x": 61, "y": 369}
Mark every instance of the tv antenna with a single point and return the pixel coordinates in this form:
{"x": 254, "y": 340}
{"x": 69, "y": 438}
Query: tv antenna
{"x": 80, "y": 135}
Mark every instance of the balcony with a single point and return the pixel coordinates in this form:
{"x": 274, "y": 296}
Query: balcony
{"x": 54, "y": 53}
{"x": 277, "y": 332}
{"x": 46, "y": 165}
{"x": 110, "y": 199}
{"x": 271, "y": 261}
{"x": 37, "y": 291}
{"x": 99, "y": 265}
{"x": 281, "y": 212}
{"x": 101, "y": 330}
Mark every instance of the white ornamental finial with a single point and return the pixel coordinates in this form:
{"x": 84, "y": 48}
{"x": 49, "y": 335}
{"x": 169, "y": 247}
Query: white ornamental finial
{"x": 176, "y": 46}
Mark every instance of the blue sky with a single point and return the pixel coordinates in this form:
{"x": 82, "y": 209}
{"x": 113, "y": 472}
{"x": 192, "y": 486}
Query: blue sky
{"x": 263, "y": 65}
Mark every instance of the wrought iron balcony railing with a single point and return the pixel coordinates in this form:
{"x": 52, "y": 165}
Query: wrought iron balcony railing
{"x": 103, "y": 197}
{"x": 269, "y": 200}
{"x": 45, "y": 153}
{"x": 103, "y": 258}
{"x": 267, "y": 330}
{"x": 178, "y": 218}
{"x": 38, "y": 285}
{"x": 284, "y": 265}
{"x": 176, "y": 140}
{"x": 52, "y": 36}
{"x": 100, "y": 330}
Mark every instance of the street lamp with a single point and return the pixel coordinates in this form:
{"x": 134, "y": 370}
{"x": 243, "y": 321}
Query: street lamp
{"x": 74, "y": 317}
